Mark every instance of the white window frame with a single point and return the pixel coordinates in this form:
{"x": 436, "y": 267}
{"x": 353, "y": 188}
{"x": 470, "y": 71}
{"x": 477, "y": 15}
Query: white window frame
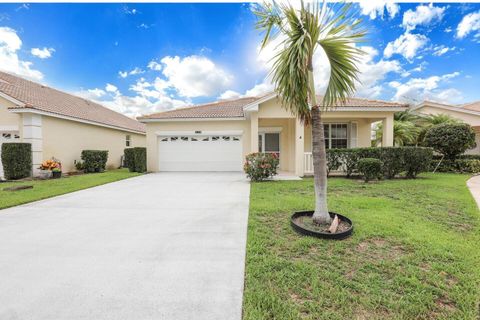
{"x": 128, "y": 140}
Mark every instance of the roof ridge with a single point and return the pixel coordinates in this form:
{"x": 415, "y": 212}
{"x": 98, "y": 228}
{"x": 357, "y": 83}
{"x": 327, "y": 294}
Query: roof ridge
{"x": 208, "y": 104}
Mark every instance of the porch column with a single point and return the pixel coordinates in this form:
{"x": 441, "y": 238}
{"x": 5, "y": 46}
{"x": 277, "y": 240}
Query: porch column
{"x": 254, "y": 132}
{"x": 32, "y": 133}
{"x": 387, "y": 133}
{"x": 299, "y": 148}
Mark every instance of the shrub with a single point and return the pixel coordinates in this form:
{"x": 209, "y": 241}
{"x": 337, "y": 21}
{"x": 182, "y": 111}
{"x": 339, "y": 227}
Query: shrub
{"x": 129, "y": 159}
{"x": 260, "y": 166}
{"x": 17, "y": 160}
{"x": 451, "y": 139}
{"x": 334, "y": 160}
{"x": 416, "y": 160}
{"x": 458, "y": 165}
{"x": 136, "y": 159}
{"x": 393, "y": 159}
{"x": 80, "y": 166}
{"x": 349, "y": 158}
{"x": 370, "y": 168}
{"x": 94, "y": 160}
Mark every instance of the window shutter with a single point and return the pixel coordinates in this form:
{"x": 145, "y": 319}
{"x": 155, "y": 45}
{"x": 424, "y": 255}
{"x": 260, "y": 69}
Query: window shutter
{"x": 353, "y": 135}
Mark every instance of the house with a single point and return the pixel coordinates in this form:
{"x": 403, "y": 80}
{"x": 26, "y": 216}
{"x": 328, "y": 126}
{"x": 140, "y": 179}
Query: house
{"x": 61, "y": 125}
{"x": 217, "y": 136}
{"x": 468, "y": 113}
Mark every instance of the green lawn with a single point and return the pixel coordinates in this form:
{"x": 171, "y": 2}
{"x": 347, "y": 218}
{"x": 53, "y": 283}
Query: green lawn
{"x": 414, "y": 253}
{"x": 43, "y": 189}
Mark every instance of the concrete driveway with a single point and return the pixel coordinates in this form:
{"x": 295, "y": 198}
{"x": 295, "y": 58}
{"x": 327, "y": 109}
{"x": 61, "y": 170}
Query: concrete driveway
{"x": 159, "y": 246}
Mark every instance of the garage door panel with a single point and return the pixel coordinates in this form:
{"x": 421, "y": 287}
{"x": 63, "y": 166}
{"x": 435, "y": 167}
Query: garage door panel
{"x": 223, "y": 154}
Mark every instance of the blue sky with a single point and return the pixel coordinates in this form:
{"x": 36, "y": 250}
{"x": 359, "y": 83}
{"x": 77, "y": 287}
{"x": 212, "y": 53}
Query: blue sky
{"x": 143, "y": 58}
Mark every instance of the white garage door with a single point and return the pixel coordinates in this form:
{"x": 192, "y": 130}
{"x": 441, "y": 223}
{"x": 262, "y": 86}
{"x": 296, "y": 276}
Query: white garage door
{"x": 6, "y": 137}
{"x": 200, "y": 153}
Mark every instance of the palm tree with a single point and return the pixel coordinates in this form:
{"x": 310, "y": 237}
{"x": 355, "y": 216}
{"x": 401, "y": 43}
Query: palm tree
{"x": 335, "y": 30}
{"x": 404, "y": 133}
{"x": 428, "y": 121}
{"x": 405, "y": 129}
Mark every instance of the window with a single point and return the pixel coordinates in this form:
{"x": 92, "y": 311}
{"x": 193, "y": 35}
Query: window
{"x": 336, "y": 135}
{"x": 127, "y": 140}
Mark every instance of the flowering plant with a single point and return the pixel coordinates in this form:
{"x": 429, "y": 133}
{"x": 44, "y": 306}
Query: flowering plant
{"x": 51, "y": 164}
{"x": 260, "y": 166}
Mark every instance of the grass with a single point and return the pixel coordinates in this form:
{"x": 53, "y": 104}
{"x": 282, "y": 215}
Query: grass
{"x": 414, "y": 253}
{"x": 43, "y": 189}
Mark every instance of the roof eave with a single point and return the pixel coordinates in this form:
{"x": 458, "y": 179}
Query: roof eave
{"x": 147, "y": 120}
{"x": 65, "y": 117}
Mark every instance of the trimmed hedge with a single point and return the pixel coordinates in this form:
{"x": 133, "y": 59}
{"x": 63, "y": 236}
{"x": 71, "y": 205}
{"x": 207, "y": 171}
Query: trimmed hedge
{"x": 458, "y": 165}
{"x": 136, "y": 159}
{"x": 411, "y": 160}
{"x": 94, "y": 160}
{"x": 370, "y": 168}
{"x": 16, "y": 160}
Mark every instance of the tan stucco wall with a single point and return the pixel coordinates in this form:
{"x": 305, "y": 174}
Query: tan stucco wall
{"x": 219, "y": 125}
{"x": 287, "y": 140}
{"x": 7, "y": 118}
{"x": 471, "y": 119}
{"x": 270, "y": 114}
{"x": 65, "y": 140}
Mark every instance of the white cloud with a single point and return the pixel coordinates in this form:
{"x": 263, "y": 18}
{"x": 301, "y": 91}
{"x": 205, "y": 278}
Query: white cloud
{"x": 146, "y": 99}
{"x": 374, "y": 8}
{"x": 470, "y": 23}
{"x": 373, "y": 73}
{"x": 10, "y": 44}
{"x": 154, "y": 65}
{"x": 229, "y": 94}
{"x": 132, "y": 11}
{"x": 441, "y": 50}
{"x": 431, "y": 88}
{"x": 259, "y": 89}
{"x": 422, "y": 16}
{"x": 195, "y": 76}
{"x": 42, "y": 53}
{"x": 135, "y": 71}
{"x": 111, "y": 88}
{"x": 91, "y": 94}
{"x": 406, "y": 45}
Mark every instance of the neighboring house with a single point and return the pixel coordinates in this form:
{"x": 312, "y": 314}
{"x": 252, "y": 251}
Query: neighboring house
{"x": 61, "y": 125}
{"x": 468, "y": 113}
{"x": 217, "y": 136}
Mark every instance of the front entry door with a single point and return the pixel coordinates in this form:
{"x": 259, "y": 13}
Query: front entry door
{"x": 269, "y": 142}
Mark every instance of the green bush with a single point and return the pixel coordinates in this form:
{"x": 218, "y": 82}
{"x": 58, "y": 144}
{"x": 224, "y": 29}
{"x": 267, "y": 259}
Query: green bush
{"x": 94, "y": 160}
{"x": 451, "y": 140}
{"x": 370, "y": 168}
{"x": 129, "y": 159}
{"x": 411, "y": 160}
{"x": 416, "y": 160}
{"x": 457, "y": 166}
{"x": 260, "y": 166}
{"x": 393, "y": 159}
{"x": 16, "y": 160}
{"x": 334, "y": 160}
{"x": 136, "y": 159}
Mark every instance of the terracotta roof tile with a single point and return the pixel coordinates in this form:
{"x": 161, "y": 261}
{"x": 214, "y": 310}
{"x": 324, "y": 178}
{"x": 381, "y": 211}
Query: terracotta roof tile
{"x": 39, "y": 97}
{"x": 234, "y": 108}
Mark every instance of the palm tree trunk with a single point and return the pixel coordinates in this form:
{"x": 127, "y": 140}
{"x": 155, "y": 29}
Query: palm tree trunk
{"x": 321, "y": 215}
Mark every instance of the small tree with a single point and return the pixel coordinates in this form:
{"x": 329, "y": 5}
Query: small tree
{"x": 451, "y": 140}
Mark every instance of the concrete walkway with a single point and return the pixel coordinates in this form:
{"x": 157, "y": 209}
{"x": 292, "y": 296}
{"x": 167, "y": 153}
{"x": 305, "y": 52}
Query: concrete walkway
{"x": 160, "y": 246}
{"x": 474, "y": 185}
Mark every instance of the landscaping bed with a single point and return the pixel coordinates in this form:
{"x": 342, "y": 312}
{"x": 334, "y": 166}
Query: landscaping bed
{"x": 414, "y": 253}
{"x": 43, "y": 189}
